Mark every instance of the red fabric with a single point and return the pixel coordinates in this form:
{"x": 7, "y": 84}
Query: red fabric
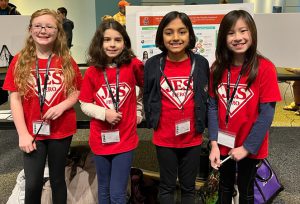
{"x": 245, "y": 105}
{"x": 178, "y": 74}
{"x": 94, "y": 90}
{"x": 65, "y": 125}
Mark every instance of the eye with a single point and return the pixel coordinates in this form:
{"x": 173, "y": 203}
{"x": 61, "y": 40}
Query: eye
{"x": 37, "y": 26}
{"x": 106, "y": 39}
{"x": 119, "y": 39}
{"x": 49, "y": 27}
{"x": 230, "y": 33}
{"x": 183, "y": 32}
{"x": 168, "y": 33}
{"x": 244, "y": 30}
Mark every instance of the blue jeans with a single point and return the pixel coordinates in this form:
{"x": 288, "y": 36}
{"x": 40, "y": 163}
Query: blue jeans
{"x": 113, "y": 173}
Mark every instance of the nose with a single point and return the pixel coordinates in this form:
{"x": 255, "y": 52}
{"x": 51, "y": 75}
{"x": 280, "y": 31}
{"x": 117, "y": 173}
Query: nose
{"x": 176, "y": 36}
{"x": 112, "y": 43}
{"x": 238, "y": 36}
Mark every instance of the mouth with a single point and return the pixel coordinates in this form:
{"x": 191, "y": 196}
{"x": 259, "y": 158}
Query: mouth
{"x": 112, "y": 51}
{"x": 238, "y": 44}
{"x": 176, "y": 44}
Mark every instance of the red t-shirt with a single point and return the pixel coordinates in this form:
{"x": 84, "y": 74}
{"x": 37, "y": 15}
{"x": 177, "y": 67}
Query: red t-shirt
{"x": 245, "y": 105}
{"x": 171, "y": 110}
{"x": 63, "y": 126}
{"x": 94, "y": 90}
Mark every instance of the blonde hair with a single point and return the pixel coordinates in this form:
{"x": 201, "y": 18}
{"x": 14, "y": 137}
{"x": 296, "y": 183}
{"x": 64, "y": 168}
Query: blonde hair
{"x": 27, "y": 57}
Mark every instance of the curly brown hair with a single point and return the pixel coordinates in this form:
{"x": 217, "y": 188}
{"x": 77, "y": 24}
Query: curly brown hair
{"x": 28, "y": 56}
{"x": 97, "y": 56}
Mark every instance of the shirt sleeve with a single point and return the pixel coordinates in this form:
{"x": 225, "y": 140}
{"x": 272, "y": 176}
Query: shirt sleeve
{"x": 86, "y": 91}
{"x": 260, "y": 127}
{"x": 268, "y": 84}
{"x": 92, "y": 110}
{"x": 9, "y": 83}
{"x": 139, "y": 72}
{"x": 213, "y": 124}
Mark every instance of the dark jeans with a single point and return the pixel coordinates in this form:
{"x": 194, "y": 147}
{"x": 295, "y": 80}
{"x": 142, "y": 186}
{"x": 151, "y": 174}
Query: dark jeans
{"x": 34, "y": 164}
{"x": 246, "y": 171}
{"x": 183, "y": 162}
{"x": 113, "y": 173}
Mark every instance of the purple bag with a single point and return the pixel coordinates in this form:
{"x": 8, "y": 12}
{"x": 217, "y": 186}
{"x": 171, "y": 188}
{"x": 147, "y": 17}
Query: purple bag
{"x": 266, "y": 184}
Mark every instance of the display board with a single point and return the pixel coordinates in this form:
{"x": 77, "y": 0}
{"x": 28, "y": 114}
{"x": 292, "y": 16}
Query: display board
{"x": 206, "y": 19}
{"x": 278, "y": 34}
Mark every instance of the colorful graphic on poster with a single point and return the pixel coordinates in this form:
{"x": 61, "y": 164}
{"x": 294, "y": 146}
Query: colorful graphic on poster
{"x": 205, "y": 28}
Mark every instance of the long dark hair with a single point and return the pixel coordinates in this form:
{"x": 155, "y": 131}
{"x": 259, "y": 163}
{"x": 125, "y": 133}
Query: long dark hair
{"x": 159, "y": 41}
{"x": 224, "y": 56}
{"x": 97, "y": 56}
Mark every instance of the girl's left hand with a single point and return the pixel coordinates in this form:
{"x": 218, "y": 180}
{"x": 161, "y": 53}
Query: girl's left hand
{"x": 238, "y": 153}
{"x": 54, "y": 112}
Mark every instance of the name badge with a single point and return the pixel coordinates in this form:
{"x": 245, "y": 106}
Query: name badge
{"x": 182, "y": 127}
{"x": 110, "y": 136}
{"x": 41, "y": 128}
{"x": 226, "y": 138}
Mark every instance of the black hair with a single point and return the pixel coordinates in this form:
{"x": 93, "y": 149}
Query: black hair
{"x": 159, "y": 41}
{"x": 63, "y": 10}
{"x": 97, "y": 56}
{"x": 224, "y": 56}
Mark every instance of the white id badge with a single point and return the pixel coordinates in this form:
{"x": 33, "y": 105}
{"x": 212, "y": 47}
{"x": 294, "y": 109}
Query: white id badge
{"x": 182, "y": 126}
{"x": 225, "y": 138}
{"x": 44, "y": 130}
{"x": 110, "y": 136}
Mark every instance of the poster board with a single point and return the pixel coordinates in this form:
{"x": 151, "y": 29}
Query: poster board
{"x": 144, "y": 21}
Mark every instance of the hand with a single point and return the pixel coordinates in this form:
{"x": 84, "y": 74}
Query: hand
{"x": 238, "y": 153}
{"x": 139, "y": 119}
{"x": 25, "y": 143}
{"x": 54, "y": 112}
{"x": 214, "y": 156}
{"x": 112, "y": 117}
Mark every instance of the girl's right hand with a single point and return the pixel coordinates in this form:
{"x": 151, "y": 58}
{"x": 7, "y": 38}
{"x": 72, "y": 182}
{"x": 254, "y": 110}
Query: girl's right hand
{"x": 112, "y": 117}
{"x": 214, "y": 155}
{"x": 25, "y": 143}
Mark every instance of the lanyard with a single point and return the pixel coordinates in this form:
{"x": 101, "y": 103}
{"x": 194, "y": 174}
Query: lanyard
{"x": 230, "y": 99}
{"x": 42, "y": 96}
{"x": 115, "y": 100}
{"x": 170, "y": 85}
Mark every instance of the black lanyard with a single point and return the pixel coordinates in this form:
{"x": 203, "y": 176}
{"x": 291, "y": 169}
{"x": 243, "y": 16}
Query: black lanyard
{"x": 42, "y": 97}
{"x": 170, "y": 85}
{"x": 115, "y": 101}
{"x": 230, "y": 99}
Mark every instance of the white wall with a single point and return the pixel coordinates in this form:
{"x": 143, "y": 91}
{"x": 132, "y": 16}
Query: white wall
{"x": 278, "y": 38}
{"x": 82, "y": 13}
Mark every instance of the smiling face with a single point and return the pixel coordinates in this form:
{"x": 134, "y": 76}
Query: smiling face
{"x": 113, "y": 43}
{"x": 239, "y": 40}
{"x": 43, "y": 30}
{"x": 176, "y": 39}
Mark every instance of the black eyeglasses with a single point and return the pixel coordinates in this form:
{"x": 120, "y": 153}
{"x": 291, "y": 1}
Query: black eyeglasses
{"x": 48, "y": 28}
